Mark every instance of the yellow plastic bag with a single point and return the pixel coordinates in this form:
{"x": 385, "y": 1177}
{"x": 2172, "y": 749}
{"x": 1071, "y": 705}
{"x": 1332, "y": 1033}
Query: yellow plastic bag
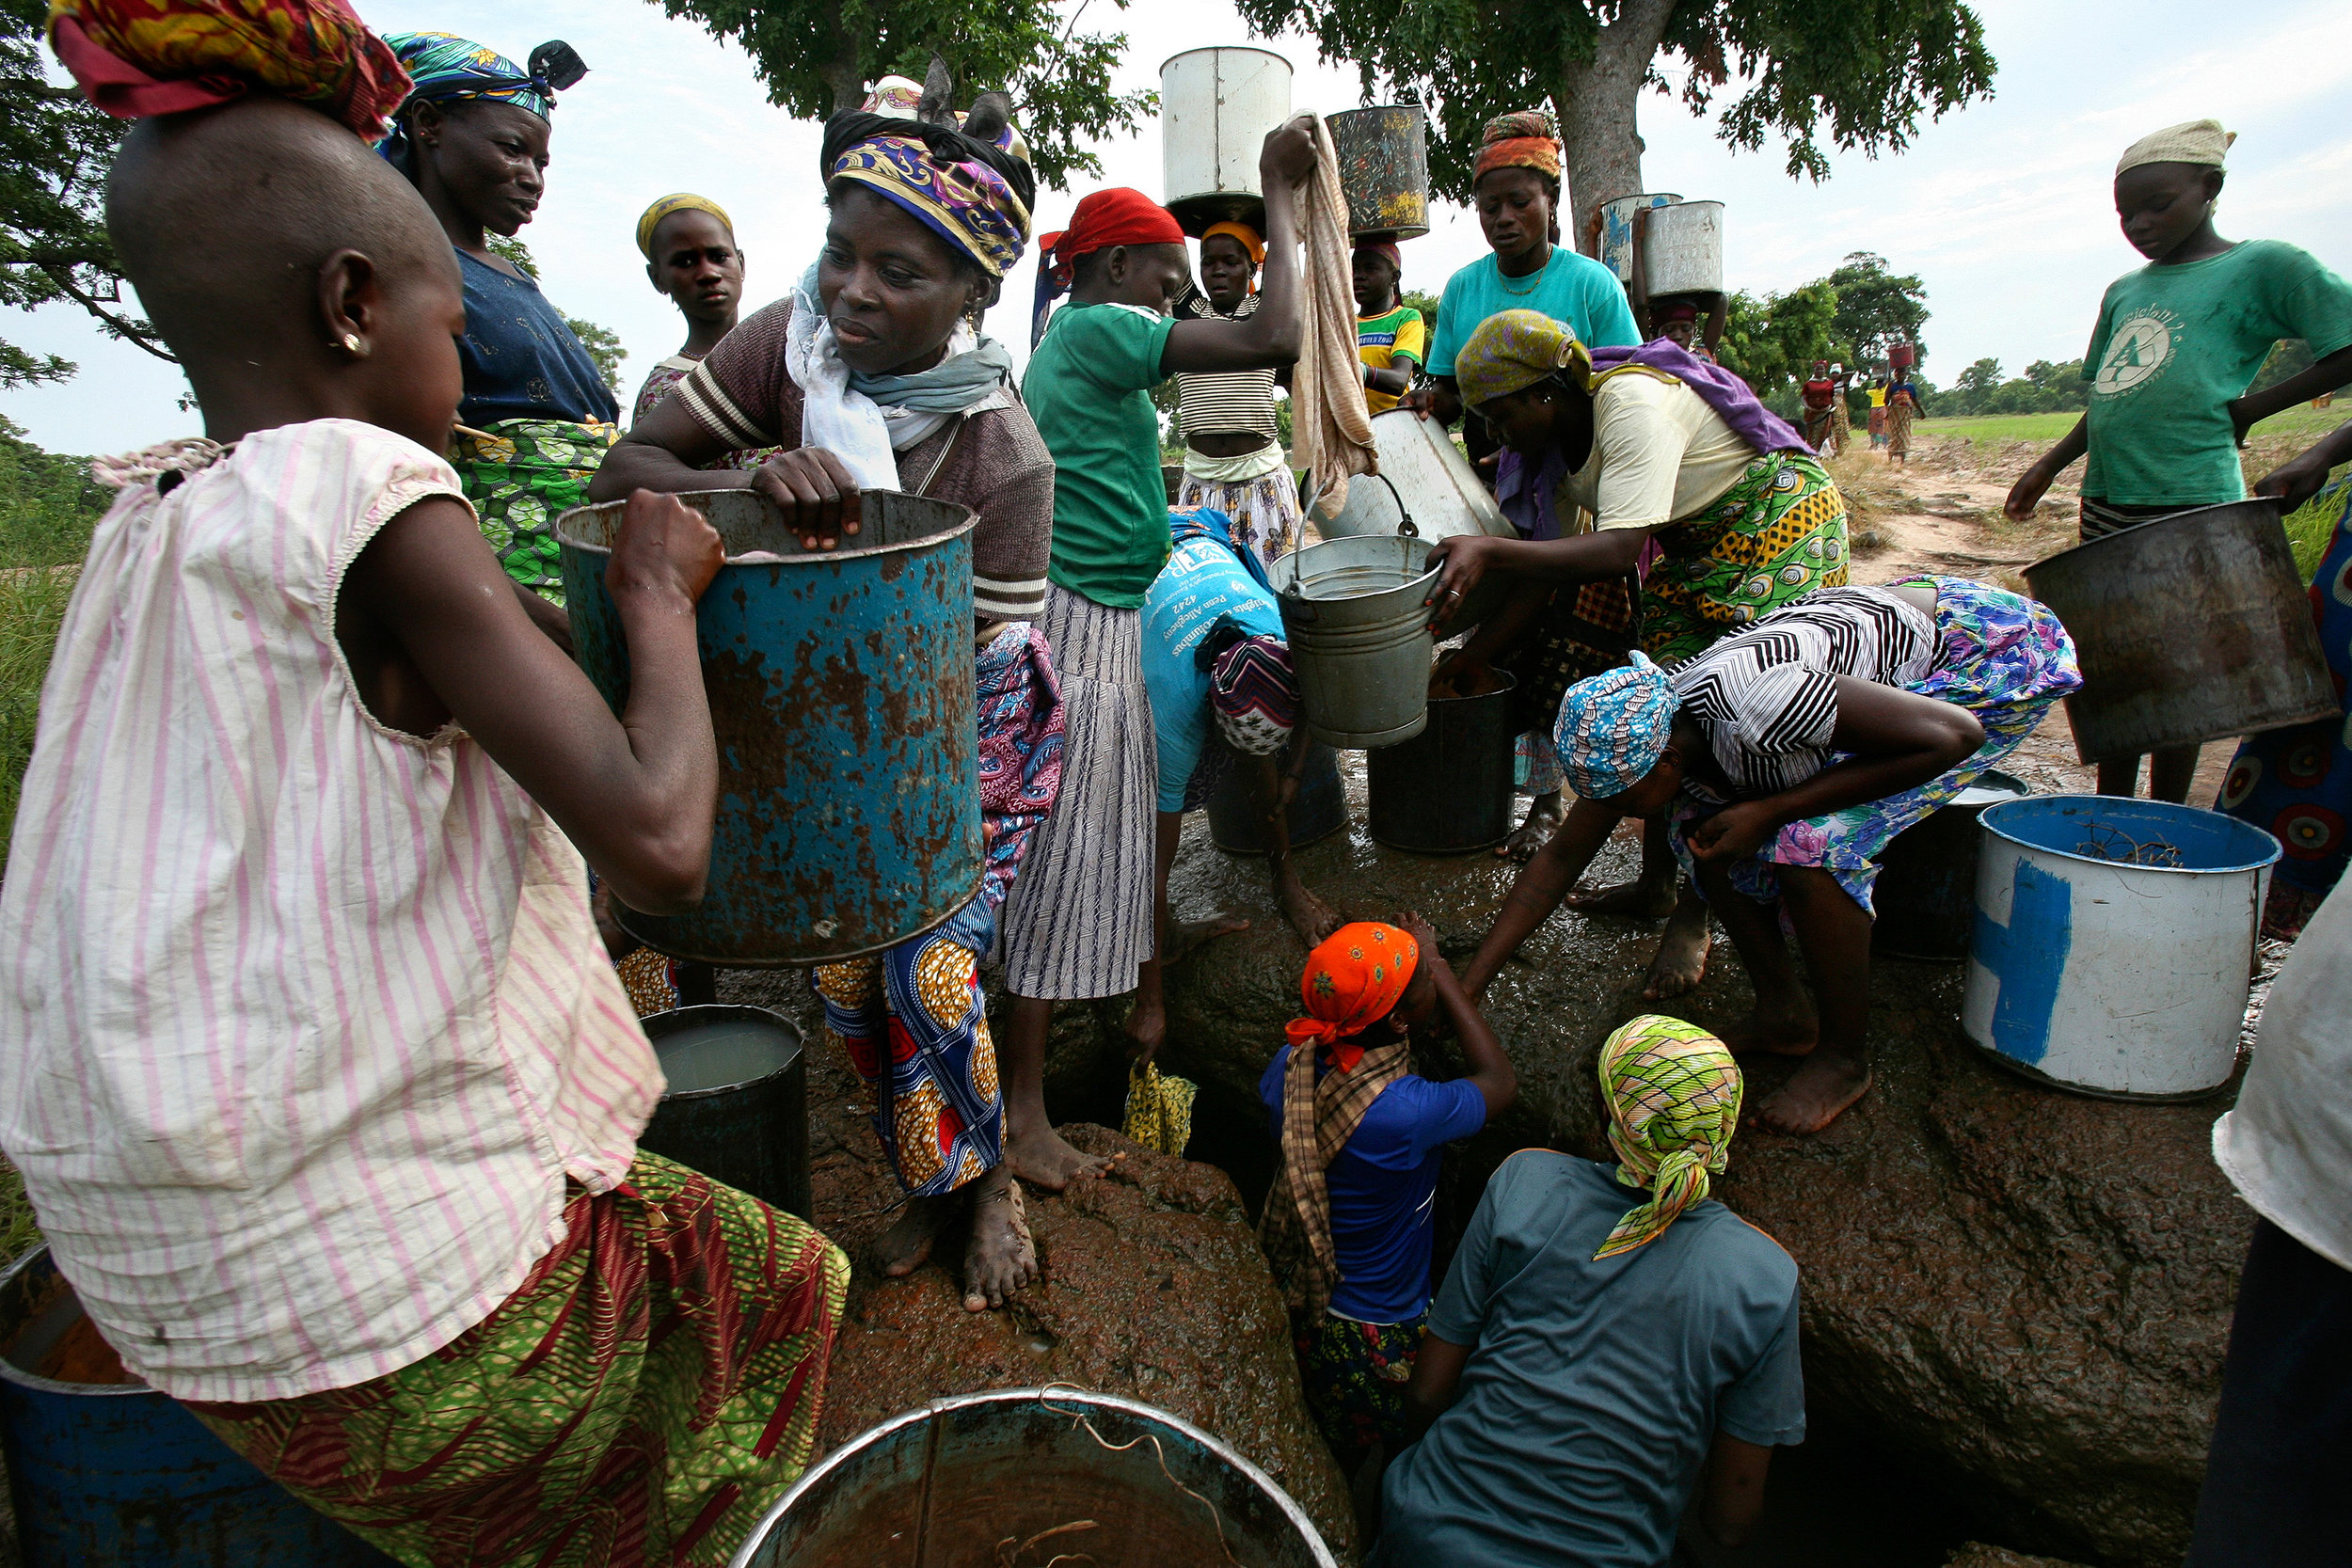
{"x": 1159, "y": 1109}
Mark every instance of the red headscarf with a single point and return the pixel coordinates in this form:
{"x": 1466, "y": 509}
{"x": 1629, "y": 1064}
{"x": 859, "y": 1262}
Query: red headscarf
{"x": 1352, "y": 980}
{"x": 1117, "y": 216}
{"x": 1528, "y": 140}
{"x": 139, "y": 58}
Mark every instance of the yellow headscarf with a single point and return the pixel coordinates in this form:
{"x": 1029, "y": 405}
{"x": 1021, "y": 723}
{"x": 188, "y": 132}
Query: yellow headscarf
{"x": 1673, "y": 1104}
{"x": 1248, "y": 237}
{"x": 683, "y": 201}
{"x": 1512, "y": 350}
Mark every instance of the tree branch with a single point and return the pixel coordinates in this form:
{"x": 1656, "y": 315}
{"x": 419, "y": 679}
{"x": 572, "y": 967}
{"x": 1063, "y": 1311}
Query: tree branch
{"x": 135, "y": 333}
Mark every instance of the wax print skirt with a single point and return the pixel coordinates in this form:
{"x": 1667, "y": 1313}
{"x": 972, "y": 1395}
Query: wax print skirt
{"x": 1779, "y": 531}
{"x": 522, "y": 475}
{"x": 2003, "y": 657}
{"x": 1354, "y": 1376}
{"x": 2295, "y": 784}
{"x": 1264, "y": 510}
{"x": 915, "y": 1027}
{"x": 644, "y": 1396}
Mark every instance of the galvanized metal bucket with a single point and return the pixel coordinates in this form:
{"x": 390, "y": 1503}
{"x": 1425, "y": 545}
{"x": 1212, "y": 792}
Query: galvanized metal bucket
{"x": 1447, "y": 791}
{"x": 118, "y": 1473}
{"x": 1616, "y": 230}
{"x": 1067, "y": 1474}
{"x": 1384, "y": 169}
{"x": 2114, "y": 942}
{"x": 1359, "y": 639}
{"x": 840, "y": 686}
{"x": 1425, "y": 488}
{"x": 1683, "y": 251}
{"x": 2194, "y": 626}
{"x": 1216, "y": 106}
{"x": 752, "y": 1134}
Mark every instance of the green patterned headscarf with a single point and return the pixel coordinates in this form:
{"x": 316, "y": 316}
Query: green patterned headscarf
{"x": 1512, "y": 350}
{"x": 1673, "y": 1104}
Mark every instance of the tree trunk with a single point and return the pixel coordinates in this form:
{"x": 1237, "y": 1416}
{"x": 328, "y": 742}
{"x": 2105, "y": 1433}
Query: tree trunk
{"x": 1595, "y": 101}
{"x": 844, "y": 72}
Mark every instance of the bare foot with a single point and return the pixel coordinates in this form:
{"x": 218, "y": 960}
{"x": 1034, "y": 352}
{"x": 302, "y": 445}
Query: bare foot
{"x": 1531, "y": 834}
{"x": 1000, "y": 1258}
{"x": 1037, "y": 1156}
{"x": 1680, "y": 962}
{"x": 1790, "y": 1031}
{"x": 1642, "y": 900}
{"x": 1185, "y": 935}
{"x": 1309, "y": 915}
{"x": 907, "y": 1244}
{"x": 1814, "y": 1096}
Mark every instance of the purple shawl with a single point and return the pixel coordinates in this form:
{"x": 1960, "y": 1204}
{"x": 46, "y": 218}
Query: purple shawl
{"x": 1526, "y": 499}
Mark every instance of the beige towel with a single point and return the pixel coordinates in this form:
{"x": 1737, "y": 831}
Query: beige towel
{"x": 1330, "y": 429}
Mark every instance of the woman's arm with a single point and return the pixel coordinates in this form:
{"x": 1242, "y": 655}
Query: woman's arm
{"x": 2325, "y": 376}
{"x": 1437, "y": 1378}
{"x": 2035, "y": 481}
{"x": 1731, "y": 1489}
{"x": 1441, "y": 400}
{"x": 1271, "y": 336}
{"x": 2298, "y": 478}
{"x": 1899, "y": 740}
{"x": 1540, "y": 885}
{"x": 1585, "y": 558}
{"x": 664, "y": 453}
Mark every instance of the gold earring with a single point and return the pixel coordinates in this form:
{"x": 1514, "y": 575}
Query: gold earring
{"x": 353, "y": 345}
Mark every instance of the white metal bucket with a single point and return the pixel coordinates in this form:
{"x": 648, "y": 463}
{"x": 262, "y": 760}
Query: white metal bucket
{"x": 1359, "y": 639}
{"x": 1616, "y": 230}
{"x": 1685, "y": 248}
{"x": 1216, "y": 106}
{"x": 2094, "y": 970}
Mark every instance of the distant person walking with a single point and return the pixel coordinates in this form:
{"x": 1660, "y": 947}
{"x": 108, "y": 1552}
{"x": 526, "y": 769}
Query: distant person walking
{"x": 2177, "y": 344}
{"x": 1902, "y": 406}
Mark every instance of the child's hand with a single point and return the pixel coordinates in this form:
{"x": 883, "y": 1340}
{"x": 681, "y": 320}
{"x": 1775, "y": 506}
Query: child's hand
{"x": 1424, "y": 934}
{"x": 2296, "y": 480}
{"x": 665, "y": 546}
{"x": 814, "y": 487}
{"x": 2026, "y": 494}
{"x": 1289, "y": 154}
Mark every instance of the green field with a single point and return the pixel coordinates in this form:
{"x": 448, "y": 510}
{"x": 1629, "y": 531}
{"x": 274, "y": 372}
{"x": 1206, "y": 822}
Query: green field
{"x": 1985, "y": 430}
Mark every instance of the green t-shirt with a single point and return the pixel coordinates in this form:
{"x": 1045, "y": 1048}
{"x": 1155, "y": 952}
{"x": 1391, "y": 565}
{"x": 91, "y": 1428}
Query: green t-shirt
{"x": 1571, "y": 287}
{"x": 2175, "y": 346}
{"x": 1088, "y": 389}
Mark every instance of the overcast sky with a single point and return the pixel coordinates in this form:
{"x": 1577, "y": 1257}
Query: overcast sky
{"x": 2003, "y": 208}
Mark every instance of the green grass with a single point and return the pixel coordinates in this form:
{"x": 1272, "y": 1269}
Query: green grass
{"x": 48, "y": 506}
{"x": 2301, "y": 421}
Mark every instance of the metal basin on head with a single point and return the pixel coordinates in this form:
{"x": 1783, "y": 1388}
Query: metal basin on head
{"x": 840, "y": 688}
{"x": 1030, "y": 1476}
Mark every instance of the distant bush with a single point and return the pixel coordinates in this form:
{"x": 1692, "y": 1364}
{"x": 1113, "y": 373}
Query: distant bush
{"x": 48, "y": 506}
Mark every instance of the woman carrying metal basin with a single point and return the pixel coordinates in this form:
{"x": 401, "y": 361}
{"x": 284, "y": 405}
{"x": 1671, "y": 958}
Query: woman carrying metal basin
{"x": 872, "y": 375}
{"x": 1663, "y": 449}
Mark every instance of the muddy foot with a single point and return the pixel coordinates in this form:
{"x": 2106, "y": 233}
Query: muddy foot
{"x": 1779, "y": 1033}
{"x": 1814, "y": 1096}
{"x": 1000, "y": 1258}
{"x": 1309, "y": 915}
{"x": 1680, "y": 962}
{"x": 1041, "y": 1158}
{"x": 1642, "y": 900}
{"x": 1531, "y": 834}
{"x": 907, "y": 1244}
{"x": 1185, "y": 935}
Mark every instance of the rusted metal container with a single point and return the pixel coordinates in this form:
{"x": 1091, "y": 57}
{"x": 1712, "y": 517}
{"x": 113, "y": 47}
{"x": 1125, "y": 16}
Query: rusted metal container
{"x": 1617, "y": 251}
{"x": 1682, "y": 249}
{"x": 736, "y": 1105}
{"x": 2194, "y": 626}
{"x": 1384, "y": 169}
{"x": 840, "y": 686}
{"x": 1033, "y": 1476}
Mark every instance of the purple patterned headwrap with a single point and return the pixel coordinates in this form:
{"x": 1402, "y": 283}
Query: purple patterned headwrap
{"x": 966, "y": 177}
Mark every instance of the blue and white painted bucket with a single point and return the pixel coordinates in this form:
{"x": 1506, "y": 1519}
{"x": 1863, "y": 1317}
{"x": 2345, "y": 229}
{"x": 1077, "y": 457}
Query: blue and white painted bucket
{"x": 2115, "y": 942}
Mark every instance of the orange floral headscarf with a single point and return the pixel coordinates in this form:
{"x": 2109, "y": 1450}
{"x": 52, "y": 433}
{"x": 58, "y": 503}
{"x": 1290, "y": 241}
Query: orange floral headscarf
{"x": 1351, "y": 981}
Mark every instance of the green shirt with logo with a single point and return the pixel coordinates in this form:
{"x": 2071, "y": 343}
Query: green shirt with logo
{"x": 2175, "y": 346}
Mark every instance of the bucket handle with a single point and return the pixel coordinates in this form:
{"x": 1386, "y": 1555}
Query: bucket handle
{"x": 1295, "y": 609}
{"x": 1405, "y": 528}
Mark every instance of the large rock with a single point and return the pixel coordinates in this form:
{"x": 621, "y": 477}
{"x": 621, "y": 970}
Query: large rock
{"x": 1155, "y": 1289}
{"x": 2023, "y": 1293}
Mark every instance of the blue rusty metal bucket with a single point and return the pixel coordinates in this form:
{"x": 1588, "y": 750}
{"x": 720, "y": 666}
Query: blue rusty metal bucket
{"x": 1033, "y": 1474}
{"x": 840, "y": 686}
{"x": 118, "y": 1473}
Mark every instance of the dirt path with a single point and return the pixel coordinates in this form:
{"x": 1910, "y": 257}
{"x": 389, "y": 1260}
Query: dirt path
{"x": 1942, "y": 514}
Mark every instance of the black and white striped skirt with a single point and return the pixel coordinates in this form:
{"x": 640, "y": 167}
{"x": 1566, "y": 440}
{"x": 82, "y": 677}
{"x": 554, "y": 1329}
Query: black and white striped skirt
{"x": 1078, "y": 921}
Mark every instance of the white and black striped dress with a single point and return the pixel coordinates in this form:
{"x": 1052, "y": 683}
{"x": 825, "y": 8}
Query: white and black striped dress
{"x": 1767, "y": 696}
